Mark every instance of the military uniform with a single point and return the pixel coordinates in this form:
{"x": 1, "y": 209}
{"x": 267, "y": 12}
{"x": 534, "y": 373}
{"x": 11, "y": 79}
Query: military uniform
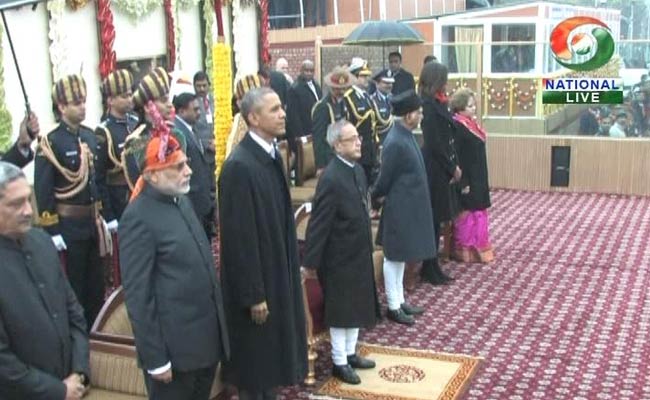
{"x": 383, "y": 112}
{"x": 361, "y": 113}
{"x": 111, "y": 135}
{"x": 325, "y": 112}
{"x": 68, "y": 200}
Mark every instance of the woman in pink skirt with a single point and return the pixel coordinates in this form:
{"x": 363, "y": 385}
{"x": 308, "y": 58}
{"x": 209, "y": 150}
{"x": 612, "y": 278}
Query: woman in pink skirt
{"x": 471, "y": 237}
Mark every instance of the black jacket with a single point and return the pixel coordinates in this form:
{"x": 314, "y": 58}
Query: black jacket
{"x": 202, "y": 181}
{"x": 280, "y": 85}
{"x": 339, "y": 245}
{"x": 170, "y": 284}
{"x": 403, "y": 81}
{"x": 259, "y": 258}
{"x": 300, "y": 101}
{"x": 65, "y": 144}
{"x": 14, "y": 156}
{"x": 440, "y": 158}
{"x": 472, "y": 158}
{"x": 406, "y": 226}
{"x": 42, "y": 328}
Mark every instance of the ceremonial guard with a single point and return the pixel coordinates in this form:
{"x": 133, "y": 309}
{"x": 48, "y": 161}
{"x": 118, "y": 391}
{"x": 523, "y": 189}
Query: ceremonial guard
{"x": 383, "y": 109}
{"x": 68, "y": 196}
{"x": 327, "y": 111}
{"x": 361, "y": 113}
{"x": 111, "y": 135}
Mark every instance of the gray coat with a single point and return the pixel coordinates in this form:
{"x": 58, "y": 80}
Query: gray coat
{"x": 406, "y": 226}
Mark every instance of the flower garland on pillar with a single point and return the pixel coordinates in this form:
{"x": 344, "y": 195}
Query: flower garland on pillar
{"x": 264, "y": 32}
{"x": 5, "y": 115}
{"x": 171, "y": 34}
{"x": 107, "y": 58}
{"x": 222, "y": 90}
{"x": 208, "y": 15}
{"x": 58, "y": 39}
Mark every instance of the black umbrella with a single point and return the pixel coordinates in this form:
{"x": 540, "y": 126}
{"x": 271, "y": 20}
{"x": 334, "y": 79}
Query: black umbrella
{"x": 5, "y": 5}
{"x": 383, "y": 33}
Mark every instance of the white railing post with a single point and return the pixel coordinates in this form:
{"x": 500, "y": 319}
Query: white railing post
{"x": 302, "y": 14}
{"x": 336, "y": 11}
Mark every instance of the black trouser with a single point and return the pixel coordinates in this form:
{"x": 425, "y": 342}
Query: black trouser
{"x": 431, "y": 267}
{"x": 189, "y": 385}
{"x": 86, "y": 275}
{"x": 269, "y": 394}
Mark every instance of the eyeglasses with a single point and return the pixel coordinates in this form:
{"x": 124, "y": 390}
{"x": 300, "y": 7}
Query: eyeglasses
{"x": 352, "y": 139}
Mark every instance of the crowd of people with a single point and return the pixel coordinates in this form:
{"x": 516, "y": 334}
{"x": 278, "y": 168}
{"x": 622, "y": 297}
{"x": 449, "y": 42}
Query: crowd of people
{"x": 145, "y": 177}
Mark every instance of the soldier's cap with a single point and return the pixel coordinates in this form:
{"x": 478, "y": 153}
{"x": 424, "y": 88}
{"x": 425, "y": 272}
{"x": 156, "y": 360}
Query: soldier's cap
{"x": 339, "y": 78}
{"x": 69, "y": 89}
{"x": 117, "y": 83}
{"x": 246, "y": 83}
{"x": 405, "y": 103}
{"x": 359, "y": 67}
{"x": 154, "y": 85}
{"x": 384, "y": 76}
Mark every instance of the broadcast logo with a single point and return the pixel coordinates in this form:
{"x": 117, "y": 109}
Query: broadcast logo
{"x": 582, "y": 44}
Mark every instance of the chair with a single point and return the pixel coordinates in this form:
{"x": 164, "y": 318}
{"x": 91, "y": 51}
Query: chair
{"x": 306, "y": 162}
{"x": 285, "y": 153}
{"x": 114, "y": 368}
{"x": 312, "y": 292}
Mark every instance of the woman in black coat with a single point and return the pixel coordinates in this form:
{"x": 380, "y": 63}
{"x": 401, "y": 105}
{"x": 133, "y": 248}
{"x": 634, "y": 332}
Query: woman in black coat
{"x": 471, "y": 239}
{"x": 440, "y": 157}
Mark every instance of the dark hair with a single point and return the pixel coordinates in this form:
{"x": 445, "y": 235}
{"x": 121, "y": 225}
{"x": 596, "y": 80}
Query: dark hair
{"x": 395, "y": 54}
{"x": 429, "y": 58}
{"x": 264, "y": 72}
{"x": 253, "y": 100}
{"x": 201, "y": 76}
{"x": 183, "y": 100}
{"x": 432, "y": 79}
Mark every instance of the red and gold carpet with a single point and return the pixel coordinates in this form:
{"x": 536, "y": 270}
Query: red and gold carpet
{"x": 405, "y": 374}
{"x": 562, "y": 313}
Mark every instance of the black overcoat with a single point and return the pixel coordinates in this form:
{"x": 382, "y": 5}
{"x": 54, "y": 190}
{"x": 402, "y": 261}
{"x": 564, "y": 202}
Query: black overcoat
{"x": 339, "y": 245}
{"x": 42, "y": 327}
{"x": 440, "y": 158}
{"x": 170, "y": 284}
{"x": 300, "y": 102}
{"x": 259, "y": 259}
{"x": 406, "y": 226}
{"x": 473, "y": 161}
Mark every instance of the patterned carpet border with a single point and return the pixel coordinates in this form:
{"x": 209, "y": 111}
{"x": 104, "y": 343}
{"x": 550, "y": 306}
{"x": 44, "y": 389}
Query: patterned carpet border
{"x": 454, "y": 388}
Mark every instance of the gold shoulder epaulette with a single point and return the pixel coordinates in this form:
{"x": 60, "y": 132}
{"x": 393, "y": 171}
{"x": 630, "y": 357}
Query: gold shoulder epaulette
{"x": 47, "y": 219}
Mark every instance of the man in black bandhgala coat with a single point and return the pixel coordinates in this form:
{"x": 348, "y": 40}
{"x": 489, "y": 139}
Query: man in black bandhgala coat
{"x": 259, "y": 256}
{"x": 339, "y": 247}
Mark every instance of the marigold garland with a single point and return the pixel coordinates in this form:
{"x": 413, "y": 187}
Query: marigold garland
{"x": 5, "y": 115}
{"x": 222, "y": 91}
{"x": 107, "y": 58}
{"x": 77, "y": 4}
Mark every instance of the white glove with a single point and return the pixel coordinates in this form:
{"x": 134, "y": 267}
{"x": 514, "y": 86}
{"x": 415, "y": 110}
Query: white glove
{"x": 59, "y": 243}
{"x": 112, "y": 226}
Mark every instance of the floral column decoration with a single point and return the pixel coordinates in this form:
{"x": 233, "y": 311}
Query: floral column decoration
{"x": 208, "y": 15}
{"x": 5, "y": 116}
{"x": 58, "y": 39}
{"x": 107, "y": 58}
{"x": 265, "y": 54}
{"x": 171, "y": 33}
{"x": 222, "y": 90}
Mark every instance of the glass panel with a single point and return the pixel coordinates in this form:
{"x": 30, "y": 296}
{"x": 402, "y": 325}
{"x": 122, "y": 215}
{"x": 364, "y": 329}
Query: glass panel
{"x": 513, "y": 57}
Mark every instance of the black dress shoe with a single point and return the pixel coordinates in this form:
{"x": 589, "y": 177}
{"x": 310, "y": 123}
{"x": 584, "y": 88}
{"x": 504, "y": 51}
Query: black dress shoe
{"x": 346, "y": 374}
{"x": 400, "y": 317}
{"x": 411, "y": 310}
{"x": 358, "y": 362}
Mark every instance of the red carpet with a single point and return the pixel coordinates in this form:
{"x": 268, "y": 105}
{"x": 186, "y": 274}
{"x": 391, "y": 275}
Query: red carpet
{"x": 563, "y": 312}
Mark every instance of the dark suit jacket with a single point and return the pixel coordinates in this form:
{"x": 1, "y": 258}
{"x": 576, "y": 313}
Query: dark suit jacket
{"x": 406, "y": 225}
{"x": 300, "y": 102}
{"x": 403, "y": 81}
{"x": 170, "y": 284}
{"x": 14, "y": 156}
{"x": 280, "y": 85}
{"x": 472, "y": 157}
{"x": 339, "y": 245}
{"x": 202, "y": 181}
{"x": 42, "y": 328}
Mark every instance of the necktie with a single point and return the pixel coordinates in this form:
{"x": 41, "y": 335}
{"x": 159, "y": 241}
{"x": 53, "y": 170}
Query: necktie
{"x": 313, "y": 89}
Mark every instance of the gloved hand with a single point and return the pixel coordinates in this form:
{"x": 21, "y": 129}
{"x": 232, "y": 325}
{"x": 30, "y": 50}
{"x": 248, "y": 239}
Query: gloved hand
{"x": 59, "y": 243}
{"x": 112, "y": 226}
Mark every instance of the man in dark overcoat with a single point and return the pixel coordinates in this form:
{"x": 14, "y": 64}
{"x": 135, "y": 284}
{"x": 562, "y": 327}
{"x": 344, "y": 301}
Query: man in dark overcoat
{"x": 43, "y": 342}
{"x": 303, "y": 94}
{"x": 200, "y": 161}
{"x": 339, "y": 247}
{"x": 260, "y": 267}
{"x": 406, "y": 226}
{"x": 169, "y": 277}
